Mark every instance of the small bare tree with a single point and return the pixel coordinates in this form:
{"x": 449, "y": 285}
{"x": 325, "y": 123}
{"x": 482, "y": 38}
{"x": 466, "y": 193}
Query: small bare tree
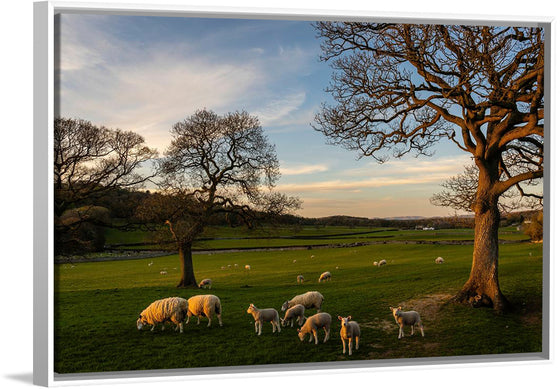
{"x": 89, "y": 162}
{"x": 460, "y": 193}
{"x": 214, "y": 164}
{"x": 403, "y": 88}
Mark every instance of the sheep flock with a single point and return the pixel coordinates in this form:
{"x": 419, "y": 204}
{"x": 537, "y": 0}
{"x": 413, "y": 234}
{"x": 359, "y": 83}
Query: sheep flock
{"x": 179, "y": 310}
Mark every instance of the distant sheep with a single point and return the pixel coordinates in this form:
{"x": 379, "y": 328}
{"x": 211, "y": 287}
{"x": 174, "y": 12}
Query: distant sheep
{"x": 326, "y": 276}
{"x": 295, "y": 312}
{"x": 313, "y": 324}
{"x": 409, "y": 318}
{"x": 382, "y": 263}
{"x": 309, "y": 300}
{"x": 349, "y": 332}
{"x": 173, "y": 309}
{"x": 247, "y": 267}
{"x": 300, "y": 279}
{"x": 264, "y": 315}
{"x": 163, "y": 272}
{"x": 439, "y": 260}
{"x": 375, "y": 263}
{"x": 204, "y": 305}
{"x": 205, "y": 284}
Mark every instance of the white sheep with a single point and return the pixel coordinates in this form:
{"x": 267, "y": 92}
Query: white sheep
{"x": 439, "y": 260}
{"x": 375, "y": 263}
{"x": 264, "y": 315}
{"x": 409, "y": 318}
{"x": 300, "y": 279}
{"x": 204, "y": 305}
{"x": 326, "y": 276}
{"x": 205, "y": 284}
{"x": 173, "y": 309}
{"x": 382, "y": 262}
{"x": 247, "y": 267}
{"x": 163, "y": 272}
{"x": 349, "y": 332}
{"x": 294, "y": 261}
{"x": 295, "y": 312}
{"x": 311, "y": 299}
{"x": 313, "y": 324}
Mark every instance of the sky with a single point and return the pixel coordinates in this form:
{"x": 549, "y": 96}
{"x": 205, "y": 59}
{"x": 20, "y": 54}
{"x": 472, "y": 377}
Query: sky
{"x": 145, "y": 73}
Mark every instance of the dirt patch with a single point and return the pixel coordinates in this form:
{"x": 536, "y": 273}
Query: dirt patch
{"x": 427, "y": 306}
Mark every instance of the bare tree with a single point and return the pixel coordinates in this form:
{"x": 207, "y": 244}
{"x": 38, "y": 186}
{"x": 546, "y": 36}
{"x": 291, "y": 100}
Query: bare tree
{"x": 214, "y": 164}
{"x": 91, "y": 160}
{"x": 403, "y": 88}
{"x": 460, "y": 193}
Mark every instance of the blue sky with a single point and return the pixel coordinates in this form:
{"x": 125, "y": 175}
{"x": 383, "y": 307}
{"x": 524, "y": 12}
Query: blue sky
{"x": 146, "y": 73}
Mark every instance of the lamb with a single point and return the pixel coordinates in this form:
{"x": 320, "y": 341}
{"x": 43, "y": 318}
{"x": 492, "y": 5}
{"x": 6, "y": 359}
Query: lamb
{"x": 300, "y": 279}
{"x": 407, "y": 318}
{"x": 312, "y": 299}
{"x": 262, "y": 315}
{"x": 313, "y": 324}
{"x": 349, "y": 331}
{"x": 204, "y": 305}
{"x": 295, "y": 312}
{"x": 382, "y": 262}
{"x": 439, "y": 260}
{"x": 326, "y": 276}
{"x": 205, "y": 284}
{"x": 173, "y": 309}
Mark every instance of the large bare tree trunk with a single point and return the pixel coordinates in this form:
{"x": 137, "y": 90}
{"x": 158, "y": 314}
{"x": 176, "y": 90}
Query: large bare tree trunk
{"x": 187, "y": 271}
{"x": 483, "y": 287}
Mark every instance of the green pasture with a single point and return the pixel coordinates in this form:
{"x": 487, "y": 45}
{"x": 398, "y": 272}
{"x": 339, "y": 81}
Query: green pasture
{"x": 96, "y": 306}
{"x": 235, "y": 238}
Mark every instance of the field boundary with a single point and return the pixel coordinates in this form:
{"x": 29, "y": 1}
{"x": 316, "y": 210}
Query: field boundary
{"x": 143, "y": 254}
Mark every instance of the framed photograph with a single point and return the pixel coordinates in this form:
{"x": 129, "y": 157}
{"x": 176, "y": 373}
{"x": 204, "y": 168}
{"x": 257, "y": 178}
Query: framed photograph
{"x": 232, "y": 191}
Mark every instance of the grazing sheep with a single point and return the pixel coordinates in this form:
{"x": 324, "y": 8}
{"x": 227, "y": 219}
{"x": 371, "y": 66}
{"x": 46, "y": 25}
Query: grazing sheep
{"x": 223, "y": 268}
{"x": 313, "y": 324}
{"x": 295, "y": 312}
{"x": 409, "y": 318}
{"x": 247, "y": 267}
{"x": 262, "y": 315}
{"x": 349, "y": 332}
{"x": 294, "y": 261}
{"x": 375, "y": 263}
{"x": 205, "y": 283}
{"x": 204, "y": 305}
{"x": 163, "y": 272}
{"x": 326, "y": 276}
{"x": 382, "y": 262}
{"x": 173, "y": 309}
{"x": 439, "y": 260}
{"x": 300, "y": 279}
{"x": 235, "y": 265}
{"x": 312, "y": 299}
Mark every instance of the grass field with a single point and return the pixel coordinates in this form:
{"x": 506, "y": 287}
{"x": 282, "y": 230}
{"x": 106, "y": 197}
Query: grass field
{"x": 96, "y": 306}
{"x": 228, "y": 238}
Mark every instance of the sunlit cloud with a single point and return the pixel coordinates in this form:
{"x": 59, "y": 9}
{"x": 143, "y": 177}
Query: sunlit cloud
{"x": 295, "y": 170}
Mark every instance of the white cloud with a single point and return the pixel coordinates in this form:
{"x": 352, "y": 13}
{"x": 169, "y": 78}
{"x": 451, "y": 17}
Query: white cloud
{"x": 279, "y": 108}
{"x": 302, "y": 169}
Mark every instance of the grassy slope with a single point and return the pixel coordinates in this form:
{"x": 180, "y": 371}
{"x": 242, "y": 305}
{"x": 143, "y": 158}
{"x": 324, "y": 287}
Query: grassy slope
{"x": 97, "y": 305}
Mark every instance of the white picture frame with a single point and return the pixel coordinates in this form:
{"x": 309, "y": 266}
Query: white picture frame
{"x": 43, "y": 235}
